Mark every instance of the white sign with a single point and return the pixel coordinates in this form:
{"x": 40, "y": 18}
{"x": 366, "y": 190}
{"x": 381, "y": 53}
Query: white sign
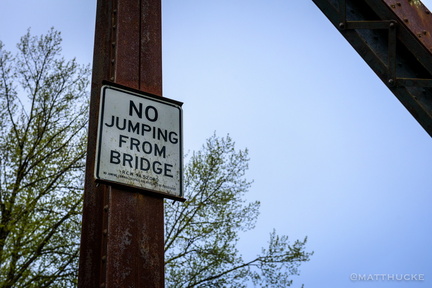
{"x": 140, "y": 141}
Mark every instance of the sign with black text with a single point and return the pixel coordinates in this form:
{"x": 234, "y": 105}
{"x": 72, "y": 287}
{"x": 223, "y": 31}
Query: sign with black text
{"x": 140, "y": 141}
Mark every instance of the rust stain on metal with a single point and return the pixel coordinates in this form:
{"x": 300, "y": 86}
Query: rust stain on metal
{"x": 123, "y": 231}
{"x": 416, "y": 17}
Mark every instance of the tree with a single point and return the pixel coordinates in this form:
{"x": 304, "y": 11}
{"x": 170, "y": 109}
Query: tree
{"x": 201, "y": 234}
{"x": 43, "y": 121}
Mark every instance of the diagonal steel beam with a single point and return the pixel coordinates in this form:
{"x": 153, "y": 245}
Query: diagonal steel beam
{"x": 394, "y": 39}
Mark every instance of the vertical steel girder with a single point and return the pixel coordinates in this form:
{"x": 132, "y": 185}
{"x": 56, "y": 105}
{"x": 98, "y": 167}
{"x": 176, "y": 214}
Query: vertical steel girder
{"x": 122, "y": 241}
{"x": 394, "y": 39}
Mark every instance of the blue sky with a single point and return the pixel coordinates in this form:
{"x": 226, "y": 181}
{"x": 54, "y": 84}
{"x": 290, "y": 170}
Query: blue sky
{"x": 334, "y": 155}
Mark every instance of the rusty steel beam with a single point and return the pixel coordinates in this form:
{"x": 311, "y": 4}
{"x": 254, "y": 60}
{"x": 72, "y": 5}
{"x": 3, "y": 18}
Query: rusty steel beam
{"x": 122, "y": 242}
{"x": 415, "y": 17}
{"x": 394, "y": 39}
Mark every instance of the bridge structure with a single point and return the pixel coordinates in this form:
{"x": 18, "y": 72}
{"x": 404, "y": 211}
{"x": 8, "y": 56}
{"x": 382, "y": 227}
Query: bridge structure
{"x": 394, "y": 39}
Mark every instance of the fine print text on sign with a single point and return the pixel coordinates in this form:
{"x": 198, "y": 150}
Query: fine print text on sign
{"x": 140, "y": 141}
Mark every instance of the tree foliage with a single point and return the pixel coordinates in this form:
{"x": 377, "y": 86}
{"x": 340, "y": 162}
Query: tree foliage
{"x": 43, "y": 120}
{"x": 202, "y": 233}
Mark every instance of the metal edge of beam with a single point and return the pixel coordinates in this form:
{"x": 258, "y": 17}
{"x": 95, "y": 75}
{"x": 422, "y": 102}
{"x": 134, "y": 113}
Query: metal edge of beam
{"x": 407, "y": 34}
{"x": 417, "y": 100}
